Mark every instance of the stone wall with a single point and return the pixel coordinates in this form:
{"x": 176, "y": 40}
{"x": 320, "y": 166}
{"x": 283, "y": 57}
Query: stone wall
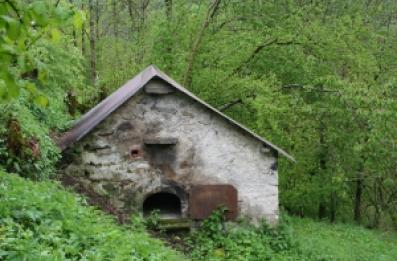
{"x": 120, "y": 159}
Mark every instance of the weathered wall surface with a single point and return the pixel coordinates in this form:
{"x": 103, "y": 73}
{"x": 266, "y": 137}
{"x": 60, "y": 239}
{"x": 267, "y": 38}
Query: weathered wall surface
{"x": 114, "y": 161}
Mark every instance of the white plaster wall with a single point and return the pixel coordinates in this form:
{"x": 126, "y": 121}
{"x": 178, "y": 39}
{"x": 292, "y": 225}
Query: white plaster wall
{"x": 209, "y": 151}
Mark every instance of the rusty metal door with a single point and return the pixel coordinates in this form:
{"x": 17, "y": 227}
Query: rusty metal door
{"x": 204, "y": 199}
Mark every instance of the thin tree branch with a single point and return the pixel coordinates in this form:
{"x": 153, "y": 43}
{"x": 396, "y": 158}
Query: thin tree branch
{"x": 13, "y": 7}
{"x": 292, "y": 85}
{"x": 212, "y": 10}
{"x": 234, "y": 102}
{"x": 226, "y": 22}
{"x": 258, "y": 49}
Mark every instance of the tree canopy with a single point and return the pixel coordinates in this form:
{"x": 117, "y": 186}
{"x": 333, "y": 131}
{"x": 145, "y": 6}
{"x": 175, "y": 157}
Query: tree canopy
{"x": 318, "y": 78}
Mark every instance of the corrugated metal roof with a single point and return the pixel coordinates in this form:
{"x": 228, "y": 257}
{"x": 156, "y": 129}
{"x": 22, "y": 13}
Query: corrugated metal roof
{"x": 97, "y": 114}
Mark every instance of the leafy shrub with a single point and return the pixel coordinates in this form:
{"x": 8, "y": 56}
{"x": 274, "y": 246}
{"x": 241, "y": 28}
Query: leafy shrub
{"x": 25, "y": 145}
{"x": 23, "y": 24}
{"x": 243, "y": 241}
{"x": 40, "y": 221}
{"x": 64, "y": 73}
{"x": 292, "y": 239}
{"x": 152, "y": 221}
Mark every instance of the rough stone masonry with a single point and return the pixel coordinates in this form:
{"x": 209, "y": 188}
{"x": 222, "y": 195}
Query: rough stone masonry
{"x": 163, "y": 141}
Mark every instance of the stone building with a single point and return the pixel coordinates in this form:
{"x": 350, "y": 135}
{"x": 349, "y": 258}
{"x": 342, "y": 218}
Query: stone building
{"x": 154, "y": 145}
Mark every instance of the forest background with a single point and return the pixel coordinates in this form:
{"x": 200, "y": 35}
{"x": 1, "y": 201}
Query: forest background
{"x": 317, "y": 77}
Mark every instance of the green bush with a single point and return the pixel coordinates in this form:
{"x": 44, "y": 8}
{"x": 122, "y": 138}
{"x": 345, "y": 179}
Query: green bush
{"x": 216, "y": 240}
{"x": 40, "y": 221}
{"x": 61, "y": 74}
{"x": 292, "y": 239}
{"x": 17, "y": 141}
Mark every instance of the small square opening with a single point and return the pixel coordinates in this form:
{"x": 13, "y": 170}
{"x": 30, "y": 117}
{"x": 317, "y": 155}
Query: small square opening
{"x": 161, "y": 155}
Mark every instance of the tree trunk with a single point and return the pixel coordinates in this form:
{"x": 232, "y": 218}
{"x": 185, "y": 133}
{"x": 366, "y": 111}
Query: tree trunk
{"x": 92, "y": 42}
{"x": 187, "y": 79}
{"x": 332, "y": 207}
{"x": 360, "y": 179}
{"x": 141, "y": 26}
{"x": 357, "y": 200}
{"x": 83, "y": 32}
{"x": 115, "y": 17}
{"x": 143, "y": 8}
{"x": 168, "y": 50}
{"x": 377, "y": 217}
{"x": 130, "y": 8}
{"x": 393, "y": 217}
{"x": 97, "y": 19}
{"x": 74, "y": 38}
{"x": 73, "y": 31}
{"x": 322, "y": 208}
{"x": 168, "y": 9}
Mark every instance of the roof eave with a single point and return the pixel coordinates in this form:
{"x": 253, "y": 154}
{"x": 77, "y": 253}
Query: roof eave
{"x": 87, "y": 122}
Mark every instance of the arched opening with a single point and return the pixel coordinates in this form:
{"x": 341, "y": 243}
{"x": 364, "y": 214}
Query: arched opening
{"x": 168, "y": 205}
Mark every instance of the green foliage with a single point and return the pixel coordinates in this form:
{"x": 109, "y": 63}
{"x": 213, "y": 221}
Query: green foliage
{"x": 64, "y": 74}
{"x": 317, "y": 78}
{"x": 20, "y": 155}
{"x": 21, "y": 26}
{"x": 342, "y": 242}
{"x": 293, "y": 239}
{"x": 152, "y": 221}
{"x": 40, "y": 221}
{"x": 216, "y": 240}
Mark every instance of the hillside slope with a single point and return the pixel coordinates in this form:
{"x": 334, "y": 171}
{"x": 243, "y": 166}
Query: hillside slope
{"x": 41, "y": 221}
{"x": 344, "y": 242}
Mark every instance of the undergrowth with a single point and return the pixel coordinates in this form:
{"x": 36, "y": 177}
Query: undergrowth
{"x": 293, "y": 239}
{"x": 40, "y": 221}
{"x": 217, "y": 240}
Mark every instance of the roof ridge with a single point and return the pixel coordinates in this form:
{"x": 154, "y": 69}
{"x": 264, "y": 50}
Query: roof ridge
{"x": 103, "y": 109}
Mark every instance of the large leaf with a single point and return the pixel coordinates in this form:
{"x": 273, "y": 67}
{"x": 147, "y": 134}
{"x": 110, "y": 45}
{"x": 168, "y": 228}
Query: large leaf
{"x": 41, "y": 100}
{"x": 56, "y": 35}
{"x": 39, "y": 13}
{"x": 13, "y": 27}
{"x": 12, "y": 87}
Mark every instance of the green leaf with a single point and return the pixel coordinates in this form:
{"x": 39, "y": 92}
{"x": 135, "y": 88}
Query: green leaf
{"x": 39, "y": 13}
{"x": 8, "y": 48}
{"x": 3, "y": 90}
{"x": 62, "y": 14}
{"x": 56, "y": 35}
{"x": 78, "y": 19}
{"x": 13, "y": 27}
{"x": 25, "y": 63}
{"x": 41, "y": 100}
{"x": 31, "y": 88}
{"x": 43, "y": 75}
{"x": 5, "y": 60}
{"x": 3, "y": 9}
{"x": 11, "y": 85}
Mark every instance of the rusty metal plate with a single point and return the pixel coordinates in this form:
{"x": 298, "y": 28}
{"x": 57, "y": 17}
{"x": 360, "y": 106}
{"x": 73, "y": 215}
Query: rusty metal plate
{"x": 204, "y": 199}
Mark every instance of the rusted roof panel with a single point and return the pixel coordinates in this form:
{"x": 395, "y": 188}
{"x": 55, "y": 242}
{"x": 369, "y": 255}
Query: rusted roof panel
{"x": 204, "y": 199}
{"x": 97, "y": 114}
